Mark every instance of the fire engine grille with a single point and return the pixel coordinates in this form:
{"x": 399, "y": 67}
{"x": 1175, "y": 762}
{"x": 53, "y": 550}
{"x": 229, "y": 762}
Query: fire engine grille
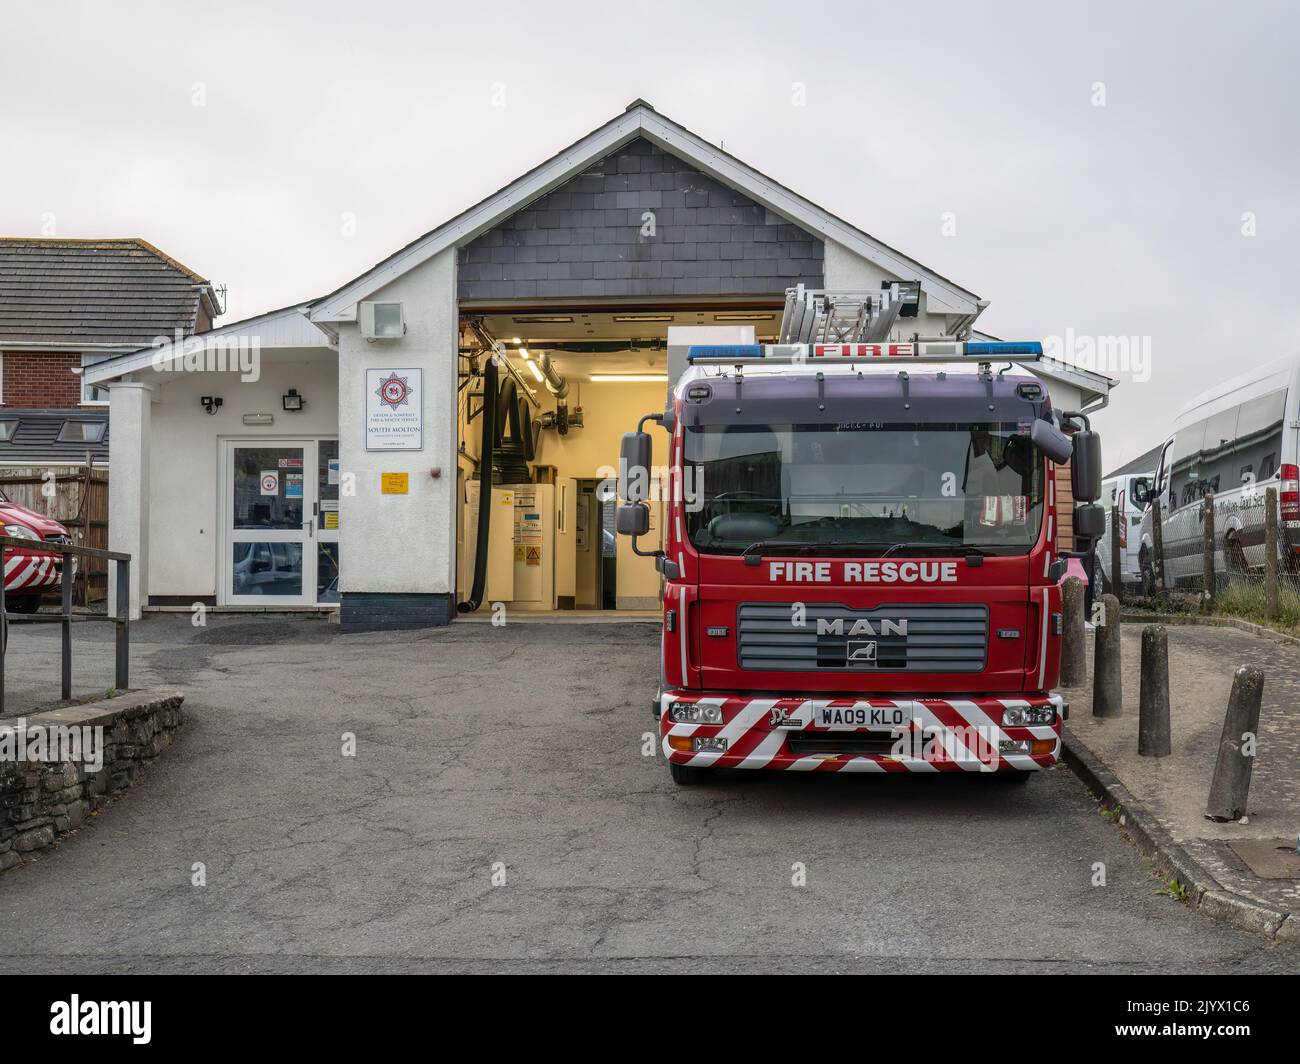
{"x": 803, "y": 743}
{"x": 946, "y": 638}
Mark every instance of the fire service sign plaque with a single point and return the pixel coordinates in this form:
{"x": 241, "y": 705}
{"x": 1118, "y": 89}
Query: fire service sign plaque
{"x": 394, "y": 410}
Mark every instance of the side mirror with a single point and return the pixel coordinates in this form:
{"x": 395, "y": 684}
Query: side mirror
{"x": 632, "y": 519}
{"x": 634, "y": 468}
{"x": 1089, "y": 526}
{"x": 1141, "y": 492}
{"x": 1085, "y": 466}
{"x": 1051, "y": 441}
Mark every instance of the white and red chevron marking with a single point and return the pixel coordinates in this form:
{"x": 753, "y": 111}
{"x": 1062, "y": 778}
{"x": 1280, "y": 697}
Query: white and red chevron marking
{"x": 942, "y": 734}
{"x": 30, "y": 572}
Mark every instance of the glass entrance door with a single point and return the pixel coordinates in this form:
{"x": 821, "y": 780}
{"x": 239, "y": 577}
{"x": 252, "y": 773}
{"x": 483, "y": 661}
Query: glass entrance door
{"x": 327, "y": 521}
{"x": 270, "y": 549}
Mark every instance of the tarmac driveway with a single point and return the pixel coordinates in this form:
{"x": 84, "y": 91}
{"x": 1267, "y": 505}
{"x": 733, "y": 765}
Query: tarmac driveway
{"x": 515, "y": 754}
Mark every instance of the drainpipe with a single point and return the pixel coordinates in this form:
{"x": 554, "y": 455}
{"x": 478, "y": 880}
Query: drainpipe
{"x": 488, "y": 426}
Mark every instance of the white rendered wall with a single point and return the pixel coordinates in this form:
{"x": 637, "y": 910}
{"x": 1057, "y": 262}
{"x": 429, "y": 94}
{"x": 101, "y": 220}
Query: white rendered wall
{"x": 403, "y": 543}
{"x": 848, "y": 272}
{"x": 185, "y": 458}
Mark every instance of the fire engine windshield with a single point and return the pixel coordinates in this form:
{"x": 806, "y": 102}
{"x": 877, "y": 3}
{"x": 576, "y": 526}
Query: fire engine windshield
{"x": 870, "y": 489}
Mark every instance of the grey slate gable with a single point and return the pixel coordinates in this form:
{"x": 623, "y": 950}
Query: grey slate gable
{"x": 586, "y": 239}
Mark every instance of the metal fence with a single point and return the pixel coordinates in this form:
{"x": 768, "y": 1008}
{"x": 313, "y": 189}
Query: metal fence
{"x": 66, "y": 618}
{"x": 1230, "y": 553}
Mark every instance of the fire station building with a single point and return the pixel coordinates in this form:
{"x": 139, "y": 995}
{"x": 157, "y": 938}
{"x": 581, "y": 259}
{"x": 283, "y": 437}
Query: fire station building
{"x": 327, "y": 455}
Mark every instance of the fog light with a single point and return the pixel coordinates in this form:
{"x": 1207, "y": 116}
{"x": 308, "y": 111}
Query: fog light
{"x": 695, "y": 713}
{"x": 1022, "y": 716}
{"x": 709, "y": 745}
{"x": 1013, "y": 746}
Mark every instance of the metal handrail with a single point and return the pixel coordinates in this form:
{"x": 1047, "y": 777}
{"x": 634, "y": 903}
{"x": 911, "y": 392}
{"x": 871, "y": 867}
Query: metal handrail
{"x": 121, "y": 617}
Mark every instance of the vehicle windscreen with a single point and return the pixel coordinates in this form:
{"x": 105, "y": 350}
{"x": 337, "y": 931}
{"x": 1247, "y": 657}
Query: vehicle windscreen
{"x": 865, "y": 488}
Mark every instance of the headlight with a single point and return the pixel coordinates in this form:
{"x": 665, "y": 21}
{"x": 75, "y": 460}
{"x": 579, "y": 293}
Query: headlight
{"x": 695, "y": 713}
{"x": 1023, "y": 716}
{"x": 21, "y": 532}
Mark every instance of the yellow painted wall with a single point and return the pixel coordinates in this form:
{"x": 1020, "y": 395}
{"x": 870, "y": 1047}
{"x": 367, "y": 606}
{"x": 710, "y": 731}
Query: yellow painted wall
{"x": 609, "y": 410}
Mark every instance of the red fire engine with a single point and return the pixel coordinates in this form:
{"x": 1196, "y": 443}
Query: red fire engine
{"x": 859, "y": 556}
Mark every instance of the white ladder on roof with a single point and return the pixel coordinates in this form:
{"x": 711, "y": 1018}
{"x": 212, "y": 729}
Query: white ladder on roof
{"x": 818, "y": 316}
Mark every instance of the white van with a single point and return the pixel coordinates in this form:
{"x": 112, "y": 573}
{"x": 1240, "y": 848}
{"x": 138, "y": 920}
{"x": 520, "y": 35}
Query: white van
{"x": 1123, "y": 492}
{"x": 1236, "y": 440}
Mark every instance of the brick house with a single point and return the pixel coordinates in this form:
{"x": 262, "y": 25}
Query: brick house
{"x": 67, "y": 304}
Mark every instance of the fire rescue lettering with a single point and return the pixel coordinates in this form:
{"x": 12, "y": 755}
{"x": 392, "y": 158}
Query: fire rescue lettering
{"x": 864, "y": 572}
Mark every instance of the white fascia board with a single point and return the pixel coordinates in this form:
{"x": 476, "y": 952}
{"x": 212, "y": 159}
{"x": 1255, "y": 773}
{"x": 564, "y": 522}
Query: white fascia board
{"x": 1091, "y": 385}
{"x": 342, "y": 306}
{"x": 1089, "y": 381}
{"x": 144, "y": 358}
{"x": 943, "y": 296}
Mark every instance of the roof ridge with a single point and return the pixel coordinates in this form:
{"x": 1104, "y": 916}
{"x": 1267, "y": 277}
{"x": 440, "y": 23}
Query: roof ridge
{"x": 61, "y": 241}
{"x": 673, "y": 138}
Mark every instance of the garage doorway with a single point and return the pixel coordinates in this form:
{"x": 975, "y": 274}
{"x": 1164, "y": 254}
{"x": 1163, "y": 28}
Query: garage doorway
{"x": 581, "y": 377}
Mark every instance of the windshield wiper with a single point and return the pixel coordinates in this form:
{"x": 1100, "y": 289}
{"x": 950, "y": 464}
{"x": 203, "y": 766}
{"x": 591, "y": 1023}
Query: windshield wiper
{"x": 756, "y": 549}
{"x": 922, "y": 545}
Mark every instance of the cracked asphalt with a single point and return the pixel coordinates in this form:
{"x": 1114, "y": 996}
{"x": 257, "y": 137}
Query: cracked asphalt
{"x": 519, "y": 749}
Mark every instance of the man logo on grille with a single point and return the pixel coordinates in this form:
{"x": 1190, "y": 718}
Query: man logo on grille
{"x": 861, "y": 650}
{"x": 862, "y": 626}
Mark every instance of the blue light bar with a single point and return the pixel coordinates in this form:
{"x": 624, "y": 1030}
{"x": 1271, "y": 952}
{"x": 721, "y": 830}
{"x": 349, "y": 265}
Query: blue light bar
{"x": 724, "y": 351}
{"x": 1003, "y": 348}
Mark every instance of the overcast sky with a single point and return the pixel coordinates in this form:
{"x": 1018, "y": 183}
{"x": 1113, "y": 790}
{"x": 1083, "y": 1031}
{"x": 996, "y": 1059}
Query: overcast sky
{"x": 1102, "y": 164}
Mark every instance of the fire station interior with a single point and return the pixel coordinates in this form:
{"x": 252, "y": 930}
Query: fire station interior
{"x": 568, "y": 382}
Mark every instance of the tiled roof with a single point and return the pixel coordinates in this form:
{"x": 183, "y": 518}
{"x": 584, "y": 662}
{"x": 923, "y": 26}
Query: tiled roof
{"x": 94, "y": 291}
{"x": 35, "y": 438}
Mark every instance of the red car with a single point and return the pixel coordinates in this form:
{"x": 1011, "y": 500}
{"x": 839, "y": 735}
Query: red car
{"x": 29, "y": 574}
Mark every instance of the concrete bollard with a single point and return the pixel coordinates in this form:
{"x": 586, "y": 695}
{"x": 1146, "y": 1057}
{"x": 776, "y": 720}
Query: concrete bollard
{"x": 1231, "y": 784}
{"x": 1107, "y": 686}
{"x": 1074, "y": 647}
{"x": 1153, "y": 712}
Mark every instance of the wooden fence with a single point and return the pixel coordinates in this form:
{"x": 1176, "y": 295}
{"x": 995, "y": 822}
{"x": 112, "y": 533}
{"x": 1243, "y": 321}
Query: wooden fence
{"x": 76, "y": 497}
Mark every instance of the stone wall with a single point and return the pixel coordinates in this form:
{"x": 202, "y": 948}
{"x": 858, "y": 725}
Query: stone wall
{"x": 42, "y": 799}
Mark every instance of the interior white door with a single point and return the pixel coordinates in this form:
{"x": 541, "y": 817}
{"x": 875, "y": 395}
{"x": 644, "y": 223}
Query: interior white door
{"x": 270, "y": 552}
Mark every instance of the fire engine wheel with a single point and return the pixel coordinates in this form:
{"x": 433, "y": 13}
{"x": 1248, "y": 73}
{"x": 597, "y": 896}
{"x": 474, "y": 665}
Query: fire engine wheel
{"x": 686, "y": 776}
{"x": 28, "y": 604}
{"x": 1019, "y": 778}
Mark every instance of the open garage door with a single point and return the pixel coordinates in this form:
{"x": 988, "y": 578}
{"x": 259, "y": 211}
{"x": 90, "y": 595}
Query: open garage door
{"x": 571, "y": 381}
